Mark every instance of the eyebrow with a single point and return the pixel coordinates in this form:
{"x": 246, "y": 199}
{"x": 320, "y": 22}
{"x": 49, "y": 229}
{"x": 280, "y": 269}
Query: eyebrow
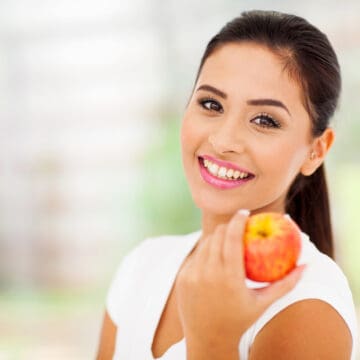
{"x": 256, "y": 102}
{"x": 213, "y": 90}
{"x": 271, "y": 102}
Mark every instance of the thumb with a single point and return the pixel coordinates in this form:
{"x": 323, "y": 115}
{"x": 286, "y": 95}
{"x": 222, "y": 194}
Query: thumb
{"x": 273, "y": 292}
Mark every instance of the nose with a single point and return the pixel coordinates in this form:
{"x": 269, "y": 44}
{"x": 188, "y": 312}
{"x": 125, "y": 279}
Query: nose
{"x": 227, "y": 139}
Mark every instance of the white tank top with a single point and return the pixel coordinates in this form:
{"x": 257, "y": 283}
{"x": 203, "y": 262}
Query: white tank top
{"x": 142, "y": 284}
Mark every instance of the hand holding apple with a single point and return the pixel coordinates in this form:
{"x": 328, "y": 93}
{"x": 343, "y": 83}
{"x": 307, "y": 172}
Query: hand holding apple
{"x": 272, "y": 245}
{"x": 214, "y": 303}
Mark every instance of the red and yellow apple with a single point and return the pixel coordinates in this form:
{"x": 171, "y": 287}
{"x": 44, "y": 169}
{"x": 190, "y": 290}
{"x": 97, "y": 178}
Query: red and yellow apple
{"x": 272, "y": 244}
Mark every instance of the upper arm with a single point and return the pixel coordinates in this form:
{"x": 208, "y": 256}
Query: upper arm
{"x": 107, "y": 339}
{"x": 306, "y": 330}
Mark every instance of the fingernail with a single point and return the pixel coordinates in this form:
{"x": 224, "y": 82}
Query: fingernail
{"x": 244, "y": 212}
{"x": 287, "y": 216}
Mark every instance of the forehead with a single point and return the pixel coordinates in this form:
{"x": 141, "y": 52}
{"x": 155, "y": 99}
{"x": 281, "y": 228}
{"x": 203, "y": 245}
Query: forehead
{"x": 250, "y": 70}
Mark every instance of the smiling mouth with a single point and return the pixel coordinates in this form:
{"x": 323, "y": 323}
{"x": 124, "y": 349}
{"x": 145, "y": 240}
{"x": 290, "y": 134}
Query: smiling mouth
{"x": 224, "y": 173}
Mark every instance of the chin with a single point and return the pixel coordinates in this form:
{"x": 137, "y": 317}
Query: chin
{"x": 207, "y": 205}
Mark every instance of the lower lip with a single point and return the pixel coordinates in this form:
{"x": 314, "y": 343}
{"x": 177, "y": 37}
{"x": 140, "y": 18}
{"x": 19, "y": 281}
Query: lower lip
{"x": 220, "y": 183}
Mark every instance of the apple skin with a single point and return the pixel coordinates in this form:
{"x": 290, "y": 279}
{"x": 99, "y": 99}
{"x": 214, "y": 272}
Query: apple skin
{"x": 272, "y": 245}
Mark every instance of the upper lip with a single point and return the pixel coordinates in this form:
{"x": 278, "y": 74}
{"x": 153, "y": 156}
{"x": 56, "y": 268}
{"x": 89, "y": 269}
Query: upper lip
{"x": 226, "y": 164}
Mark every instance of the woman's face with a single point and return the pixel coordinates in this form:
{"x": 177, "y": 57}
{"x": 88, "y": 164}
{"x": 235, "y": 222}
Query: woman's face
{"x": 245, "y": 111}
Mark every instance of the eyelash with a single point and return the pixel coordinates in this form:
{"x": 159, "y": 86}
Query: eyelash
{"x": 271, "y": 122}
{"x": 212, "y": 101}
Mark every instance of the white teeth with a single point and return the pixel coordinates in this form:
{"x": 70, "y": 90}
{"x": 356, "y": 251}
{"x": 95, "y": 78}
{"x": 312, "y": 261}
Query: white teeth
{"x": 214, "y": 169}
{"x": 223, "y": 172}
{"x": 230, "y": 173}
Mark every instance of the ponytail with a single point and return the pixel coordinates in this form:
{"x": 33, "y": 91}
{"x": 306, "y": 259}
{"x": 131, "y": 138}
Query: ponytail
{"x": 308, "y": 204}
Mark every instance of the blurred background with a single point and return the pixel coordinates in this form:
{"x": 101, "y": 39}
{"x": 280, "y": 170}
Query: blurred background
{"x": 91, "y": 100}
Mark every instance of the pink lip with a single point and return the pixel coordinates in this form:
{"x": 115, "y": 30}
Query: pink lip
{"x": 226, "y": 164}
{"x": 220, "y": 183}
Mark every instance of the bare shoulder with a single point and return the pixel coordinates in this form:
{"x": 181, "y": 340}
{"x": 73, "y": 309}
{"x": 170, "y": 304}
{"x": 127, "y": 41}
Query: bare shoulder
{"x": 308, "y": 329}
{"x": 107, "y": 339}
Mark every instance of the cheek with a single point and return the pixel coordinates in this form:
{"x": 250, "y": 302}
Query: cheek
{"x": 284, "y": 161}
{"x": 187, "y": 142}
{"x": 184, "y": 133}
{"x": 190, "y": 134}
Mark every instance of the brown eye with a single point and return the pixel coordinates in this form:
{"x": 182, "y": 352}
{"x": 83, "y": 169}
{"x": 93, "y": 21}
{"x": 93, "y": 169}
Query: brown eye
{"x": 211, "y": 105}
{"x": 266, "y": 121}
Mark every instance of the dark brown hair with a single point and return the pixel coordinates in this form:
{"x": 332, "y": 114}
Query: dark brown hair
{"x": 309, "y": 58}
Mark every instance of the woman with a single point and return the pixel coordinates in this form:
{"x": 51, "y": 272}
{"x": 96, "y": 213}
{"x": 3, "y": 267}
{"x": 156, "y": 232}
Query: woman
{"x": 254, "y": 136}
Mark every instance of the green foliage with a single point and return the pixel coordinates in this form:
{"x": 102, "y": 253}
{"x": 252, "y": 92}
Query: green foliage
{"x": 166, "y": 201}
{"x": 50, "y": 324}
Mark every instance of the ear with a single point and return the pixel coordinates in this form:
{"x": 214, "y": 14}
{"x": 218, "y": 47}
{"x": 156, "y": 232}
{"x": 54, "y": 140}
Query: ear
{"x": 318, "y": 150}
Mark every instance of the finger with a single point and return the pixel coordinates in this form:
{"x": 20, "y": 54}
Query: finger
{"x": 216, "y": 245}
{"x": 206, "y": 243}
{"x": 233, "y": 244}
{"x": 281, "y": 287}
